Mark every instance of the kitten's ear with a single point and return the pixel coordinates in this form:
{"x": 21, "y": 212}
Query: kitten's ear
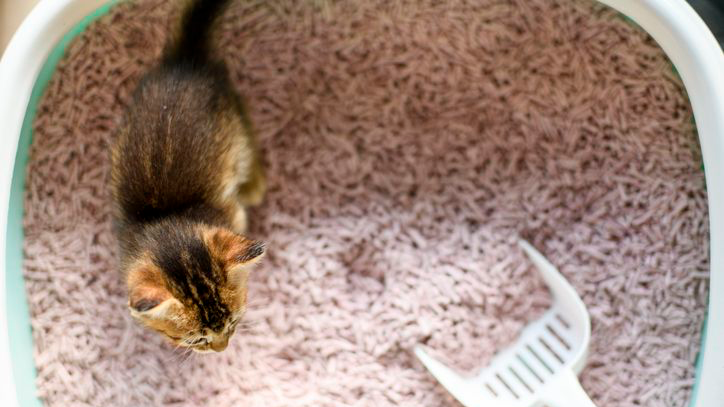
{"x": 249, "y": 253}
{"x": 234, "y": 250}
{"x": 151, "y": 303}
{"x": 148, "y": 297}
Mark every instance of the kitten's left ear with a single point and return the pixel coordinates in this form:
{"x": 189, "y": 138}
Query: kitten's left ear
{"x": 235, "y": 250}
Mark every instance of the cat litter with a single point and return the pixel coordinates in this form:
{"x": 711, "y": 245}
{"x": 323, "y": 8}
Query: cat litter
{"x": 408, "y": 146}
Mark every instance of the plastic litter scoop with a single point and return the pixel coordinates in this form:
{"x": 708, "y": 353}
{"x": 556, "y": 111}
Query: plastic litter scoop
{"x": 541, "y": 367}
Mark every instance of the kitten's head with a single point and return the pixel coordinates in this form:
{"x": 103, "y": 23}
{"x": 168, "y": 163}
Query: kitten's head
{"x": 189, "y": 283}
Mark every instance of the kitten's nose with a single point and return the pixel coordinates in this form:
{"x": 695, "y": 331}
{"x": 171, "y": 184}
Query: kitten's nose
{"x": 220, "y": 343}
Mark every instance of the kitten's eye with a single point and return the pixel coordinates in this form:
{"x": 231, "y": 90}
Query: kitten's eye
{"x": 198, "y": 341}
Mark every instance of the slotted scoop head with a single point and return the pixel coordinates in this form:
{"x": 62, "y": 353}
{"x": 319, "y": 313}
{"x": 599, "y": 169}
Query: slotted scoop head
{"x": 541, "y": 367}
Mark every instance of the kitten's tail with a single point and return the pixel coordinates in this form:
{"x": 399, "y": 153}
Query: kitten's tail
{"x": 192, "y": 44}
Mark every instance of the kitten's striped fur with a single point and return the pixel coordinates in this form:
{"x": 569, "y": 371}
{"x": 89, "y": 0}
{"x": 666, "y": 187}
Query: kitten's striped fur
{"x": 184, "y": 167}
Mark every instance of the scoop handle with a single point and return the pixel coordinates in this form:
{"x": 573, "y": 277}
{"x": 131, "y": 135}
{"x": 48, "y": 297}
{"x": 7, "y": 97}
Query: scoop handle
{"x": 566, "y": 391}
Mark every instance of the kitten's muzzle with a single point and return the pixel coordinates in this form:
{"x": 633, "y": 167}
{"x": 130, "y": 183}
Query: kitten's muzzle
{"x": 219, "y": 344}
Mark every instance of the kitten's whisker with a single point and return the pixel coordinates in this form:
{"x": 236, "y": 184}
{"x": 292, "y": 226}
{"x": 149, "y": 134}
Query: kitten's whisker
{"x": 248, "y": 326}
{"x": 189, "y": 354}
{"x": 182, "y": 357}
{"x": 175, "y": 357}
{"x": 250, "y": 322}
{"x": 251, "y": 325}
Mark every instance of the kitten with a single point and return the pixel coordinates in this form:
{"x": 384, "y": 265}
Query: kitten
{"x": 184, "y": 167}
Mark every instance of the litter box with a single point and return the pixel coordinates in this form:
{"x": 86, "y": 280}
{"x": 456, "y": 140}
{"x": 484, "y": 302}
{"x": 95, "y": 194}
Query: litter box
{"x": 38, "y": 45}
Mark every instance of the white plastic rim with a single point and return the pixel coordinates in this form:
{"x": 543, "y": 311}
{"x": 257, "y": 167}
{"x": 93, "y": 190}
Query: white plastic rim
{"x": 672, "y": 23}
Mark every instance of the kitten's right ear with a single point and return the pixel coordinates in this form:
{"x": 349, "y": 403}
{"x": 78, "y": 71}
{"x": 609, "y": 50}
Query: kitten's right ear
{"x": 149, "y": 302}
{"x": 148, "y": 297}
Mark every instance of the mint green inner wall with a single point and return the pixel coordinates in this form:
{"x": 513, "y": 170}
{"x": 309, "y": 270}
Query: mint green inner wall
{"x": 21, "y": 340}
